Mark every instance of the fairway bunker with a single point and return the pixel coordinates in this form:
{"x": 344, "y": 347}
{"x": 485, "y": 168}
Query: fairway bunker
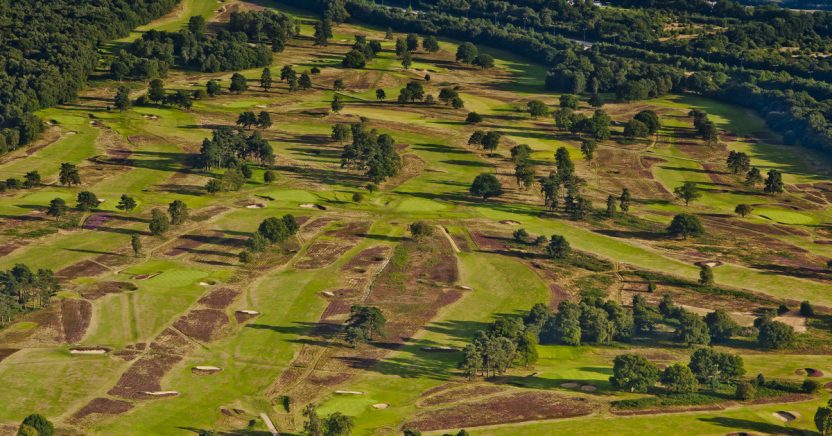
{"x": 146, "y": 276}
{"x": 245, "y": 315}
{"x": 510, "y": 222}
{"x": 349, "y": 392}
{"x": 158, "y": 394}
{"x": 312, "y": 206}
{"x": 709, "y": 263}
{"x": 381, "y": 406}
{"x": 205, "y": 370}
{"x": 89, "y": 350}
{"x": 785, "y": 416}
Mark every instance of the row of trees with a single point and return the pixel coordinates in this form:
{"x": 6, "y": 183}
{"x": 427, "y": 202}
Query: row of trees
{"x": 634, "y": 373}
{"x": 22, "y": 289}
{"x": 271, "y": 231}
{"x": 228, "y": 148}
{"x": 373, "y": 153}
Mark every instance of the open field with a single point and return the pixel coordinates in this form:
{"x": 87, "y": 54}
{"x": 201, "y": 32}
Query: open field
{"x": 181, "y": 303}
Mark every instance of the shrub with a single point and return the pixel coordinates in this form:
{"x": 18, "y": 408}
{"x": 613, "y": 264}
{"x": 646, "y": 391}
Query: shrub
{"x": 806, "y": 309}
{"x": 810, "y": 386}
{"x": 745, "y": 391}
{"x": 420, "y": 229}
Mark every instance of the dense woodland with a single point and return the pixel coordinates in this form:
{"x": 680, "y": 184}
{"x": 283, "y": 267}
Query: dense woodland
{"x": 762, "y": 58}
{"x": 47, "y": 50}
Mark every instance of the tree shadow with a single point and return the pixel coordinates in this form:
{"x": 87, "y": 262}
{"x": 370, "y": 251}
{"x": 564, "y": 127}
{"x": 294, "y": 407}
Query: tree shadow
{"x": 756, "y": 426}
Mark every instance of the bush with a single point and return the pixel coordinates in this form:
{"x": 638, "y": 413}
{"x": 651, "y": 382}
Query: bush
{"x": 745, "y": 391}
{"x": 357, "y": 197}
{"x": 775, "y": 335}
{"x": 810, "y": 386}
{"x": 806, "y": 309}
{"x": 473, "y": 118}
{"x": 421, "y": 228}
{"x": 678, "y": 378}
{"x": 520, "y": 235}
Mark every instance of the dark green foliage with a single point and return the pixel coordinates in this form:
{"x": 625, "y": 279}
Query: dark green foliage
{"x": 466, "y": 53}
{"x": 228, "y": 148}
{"x": 483, "y": 61}
{"x": 738, "y": 162}
{"x": 687, "y": 192}
{"x": 87, "y": 201}
{"x": 633, "y": 373}
{"x": 411, "y": 93}
{"x": 712, "y": 367}
{"x": 806, "y": 309}
{"x": 57, "y": 208}
{"x": 774, "y": 182}
{"x": 650, "y": 119}
{"x": 136, "y": 244}
{"x": 354, "y": 59}
{"x": 473, "y": 118}
{"x": 558, "y": 247}
{"x": 692, "y": 330}
{"x": 678, "y": 378}
{"x": 122, "y": 98}
{"x": 421, "y": 229}
{"x": 720, "y": 325}
{"x": 126, "y": 203}
{"x": 238, "y": 83}
{"x": 486, "y": 186}
{"x": 430, "y": 44}
{"x": 178, "y": 211}
{"x": 371, "y": 152}
{"x": 745, "y": 391}
{"x": 775, "y": 335}
{"x": 364, "y": 323}
{"x": 40, "y": 424}
{"x": 706, "y": 276}
{"x": 743, "y": 210}
{"x": 21, "y": 288}
{"x": 685, "y": 225}
{"x": 823, "y": 419}
{"x": 636, "y": 129}
{"x": 537, "y": 108}
{"x": 159, "y": 222}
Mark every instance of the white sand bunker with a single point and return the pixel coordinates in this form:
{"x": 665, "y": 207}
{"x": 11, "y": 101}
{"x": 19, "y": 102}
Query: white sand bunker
{"x": 255, "y": 206}
{"x": 161, "y": 393}
{"x": 381, "y": 406}
{"x": 785, "y": 416}
{"x": 71, "y": 132}
{"x": 465, "y": 288}
{"x": 89, "y": 351}
{"x": 328, "y": 294}
{"x": 205, "y": 369}
{"x": 312, "y": 206}
{"x": 570, "y": 385}
{"x": 510, "y": 222}
{"x": 349, "y": 392}
{"x": 588, "y": 388}
{"x": 249, "y": 312}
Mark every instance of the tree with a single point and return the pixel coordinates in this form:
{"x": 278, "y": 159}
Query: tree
{"x": 126, "y": 203}
{"x": 238, "y": 83}
{"x": 321, "y": 38}
{"x": 178, "y": 211}
{"x": 363, "y": 323}
{"x": 588, "y": 147}
{"x": 720, "y": 325}
{"x": 738, "y": 162}
{"x": 156, "y": 90}
{"x": 775, "y": 335}
{"x": 678, "y": 378}
{"x": 611, "y": 206}
{"x": 196, "y": 25}
{"x": 57, "y": 208}
{"x": 525, "y": 175}
{"x": 264, "y": 120}
{"x": 645, "y": 317}
{"x": 823, "y": 419}
{"x": 213, "y": 186}
{"x": 774, "y": 182}
{"x": 712, "y": 367}
{"x": 537, "y": 108}
{"x": 558, "y": 247}
{"x": 687, "y": 192}
{"x": 685, "y": 225}
{"x": 486, "y": 185}
{"x": 706, "y": 275}
{"x": 287, "y": 73}
{"x": 473, "y": 118}
{"x": 633, "y": 373}
{"x": 305, "y": 81}
{"x": 754, "y": 177}
{"x": 159, "y": 223}
{"x": 636, "y": 129}
{"x": 484, "y": 61}
{"x": 520, "y": 153}
{"x": 212, "y": 87}
{"x": 520, "y": 235}
{"x": 407, "y": 60}
{"x": 457, "y": 103}
{"x": 743, "y": 209}
{"x": 122, "y": 98}
{"x": 564, "y": 163}
{"x": 380, "y": 94}
{"x": 40, "y": 424}
{"x": 421, "y": 229}
{"x": 412, "y": 42}
{"x": 312, "y": 425}
{"x": 136, "y": 244}
{"x": 692, "y": 330}
{"x": 624, "y": 200}
{"x": 806, "y": 309}
{"x": 246, "y": 119}
{"x": 466, "y": 53}
{"x": 596, "y": 101}
{"x": 31, "y": 179}
{"x": 650, "y": 119}
{"x": 745, "y": 391}
{"x": 337, "y": 103}
{"x": 341, "y": 132}
{"x": 87, "y": 201}
{"x": 430, "y": 44}
{"x": 491, "y": 140}
{"x": 337, "y": 424}
{"x": 354, "y": 59}
{"x": 266, "y": 79}
{"x": 569, "y": 101}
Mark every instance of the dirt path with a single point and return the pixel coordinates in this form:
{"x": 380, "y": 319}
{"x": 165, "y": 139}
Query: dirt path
{"x": 269, "y": 424}
{"x": 450, "y": 239}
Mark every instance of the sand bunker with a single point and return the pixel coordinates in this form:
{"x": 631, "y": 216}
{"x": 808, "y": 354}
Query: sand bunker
{"x": 349, "y": 392}
{"x": 89, "y": 351}
{"x": 440, "y": 349}
{"x": 255, "y": 206}
{"x": 328, "y": 294}
{"x": 249, "y": 312}
{"x": 465, "y": 288}
{"x": 312, "y": 206}
{"x": 588, "y": 388}
{"x": 709, "y": 263}
{"x": 381, "y": 406}
{"x": 570, "y": 385}
{"x": 161, "y": 393}
{"x": 205, "y": 370}
{"x": 510, "y": 222}
{"x": 785, "y": 416}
